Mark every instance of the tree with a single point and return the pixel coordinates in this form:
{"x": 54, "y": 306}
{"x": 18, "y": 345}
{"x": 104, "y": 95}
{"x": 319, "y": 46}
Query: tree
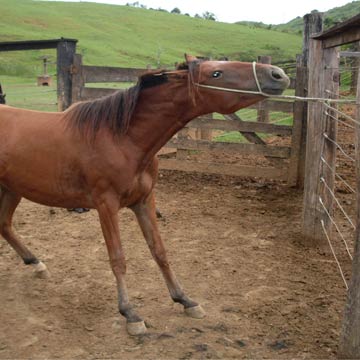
{"x": 176, "y": 11}
{"x": 207, "y": 15}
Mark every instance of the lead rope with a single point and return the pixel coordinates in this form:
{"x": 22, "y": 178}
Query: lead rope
{"x": 260, "y": 92}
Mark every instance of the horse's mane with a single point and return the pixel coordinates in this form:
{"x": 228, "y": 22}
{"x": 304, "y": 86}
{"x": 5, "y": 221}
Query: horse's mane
{"x": 113, "y": 111}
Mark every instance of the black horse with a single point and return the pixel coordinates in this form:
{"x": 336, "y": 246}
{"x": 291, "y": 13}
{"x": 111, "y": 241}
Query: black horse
{"x": 2, "y": 96}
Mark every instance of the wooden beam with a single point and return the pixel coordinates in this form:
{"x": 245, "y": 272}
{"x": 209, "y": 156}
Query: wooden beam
{"x": 77, "y": 79}
{"x": 344, "y": 38}
{"x": 349, "y": 347}
{"x": 243, "y": 126}
{"x": 322, "y": 76}
{"x": 274, "y": 105}
{"x": 96, "y": 74}
{"x": 88, "y": 93}
{"x": 238, "y": 148}
{"x": 65, "y": 55}
{"x": 33, "y": 44}
{"x": 313, "y": 23}
{"x": 350, "y": 54}
{"x": 224, "y": 169}
{"x": 341, "y": 34}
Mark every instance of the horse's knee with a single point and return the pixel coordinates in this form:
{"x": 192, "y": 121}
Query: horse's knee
{"x": 161, "y": 257}
{"x": 118, "y": 266}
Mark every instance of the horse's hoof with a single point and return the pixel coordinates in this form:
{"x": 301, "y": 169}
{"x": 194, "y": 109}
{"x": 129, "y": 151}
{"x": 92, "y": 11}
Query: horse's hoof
{"x": 136, "y": 328}
{"x": 41, "y": 270}
{"x": 196, "y": 312}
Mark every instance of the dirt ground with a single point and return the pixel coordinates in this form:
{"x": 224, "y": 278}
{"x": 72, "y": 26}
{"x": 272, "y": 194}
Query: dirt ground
{"x": 234, "y": 244}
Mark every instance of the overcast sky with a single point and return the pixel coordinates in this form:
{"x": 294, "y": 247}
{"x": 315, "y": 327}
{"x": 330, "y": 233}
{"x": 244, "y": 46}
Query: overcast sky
{"x": 267, "y": 11}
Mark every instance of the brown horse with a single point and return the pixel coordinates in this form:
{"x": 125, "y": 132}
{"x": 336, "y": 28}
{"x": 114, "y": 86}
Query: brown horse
{"x": 101, "y": 154}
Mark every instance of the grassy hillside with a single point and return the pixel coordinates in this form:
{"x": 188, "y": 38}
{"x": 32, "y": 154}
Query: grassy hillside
{"x": 331, "y": 17}
{"x": 126, "y": 36}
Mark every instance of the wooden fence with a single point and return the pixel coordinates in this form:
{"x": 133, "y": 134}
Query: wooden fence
{"x": 197, "y": 136}
{"x": 322, "y": 151}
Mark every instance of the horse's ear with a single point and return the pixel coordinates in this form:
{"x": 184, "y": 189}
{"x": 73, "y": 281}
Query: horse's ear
{"x": 190, "y": 58}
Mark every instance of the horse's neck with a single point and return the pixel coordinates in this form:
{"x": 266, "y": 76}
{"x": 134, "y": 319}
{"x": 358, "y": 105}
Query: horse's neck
{"x": 158, "y": 117}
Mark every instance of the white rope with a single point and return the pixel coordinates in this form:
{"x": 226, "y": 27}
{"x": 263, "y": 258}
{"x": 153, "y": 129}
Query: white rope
{"x": 339, "y": 147}
{"x": 337, "y": 175}
{"x": 333, "y": 252}
{"x": 260, "y": 92}
{"x": 338, "y": 203}
{"x": 336, "y": 227}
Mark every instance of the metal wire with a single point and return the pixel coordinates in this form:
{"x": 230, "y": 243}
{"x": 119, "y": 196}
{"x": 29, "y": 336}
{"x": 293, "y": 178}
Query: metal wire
{"x": 337, "y": 175}
{"x": 333, "y": 252}
{"x": 339, "y": 147}
{"x": 342, "y": 114}
{"x": 338, "y": 202}
{"x": 336, "y": 227}
{"x": 337, "y": 119}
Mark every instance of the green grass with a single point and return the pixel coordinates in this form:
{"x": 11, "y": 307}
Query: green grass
{"x": 24, "y": 93}
{"x": 126, "y": 36}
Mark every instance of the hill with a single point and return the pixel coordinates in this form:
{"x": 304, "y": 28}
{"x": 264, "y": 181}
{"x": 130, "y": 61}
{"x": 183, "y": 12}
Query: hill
{"x": 331, "y": 17}
{"x": 126, "y": 36}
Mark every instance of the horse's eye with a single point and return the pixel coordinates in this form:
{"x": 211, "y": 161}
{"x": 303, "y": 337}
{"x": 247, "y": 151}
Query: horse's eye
{"x": 216, "y": 74}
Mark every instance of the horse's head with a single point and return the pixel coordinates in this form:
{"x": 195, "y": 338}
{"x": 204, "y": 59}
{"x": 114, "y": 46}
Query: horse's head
{"x": 227, "y": 86}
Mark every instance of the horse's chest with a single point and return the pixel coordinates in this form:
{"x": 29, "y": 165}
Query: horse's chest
{"x": 140, "y": 189}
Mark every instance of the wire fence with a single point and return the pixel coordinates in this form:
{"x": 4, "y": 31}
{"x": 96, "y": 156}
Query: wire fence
{"x": 342, "y": 211}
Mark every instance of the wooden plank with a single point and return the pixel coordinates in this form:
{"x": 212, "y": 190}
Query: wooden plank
{"x": 349, "y": 347}
{"x": 249, "y": 149}
{"x": 77, "y": 79}
{"x": 243, "y": 126}
{"x": 346, "y": 37}
{"x": 65, "y": 55}
{"x": 256, "y": 139}
{"x": 263, "y": 111}
{"x": 275, "y": 105}
{"x": 318, "y": 123}
{"x": 342, "y": 33}
{"x": 33, "y": 44}
{"x": 223, "y": 169}
{"x": 298, "y": 140}
{"x": 249, "y": 136}
{"x": 88, "y": 93}
{"x": 96, "y": 74}
{"x": 312, "y": 24}
{"x": 350, "y": 54}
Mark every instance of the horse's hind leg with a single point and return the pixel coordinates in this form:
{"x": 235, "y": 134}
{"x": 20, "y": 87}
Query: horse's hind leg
{"x": 146, "y": 216}
{"x": 8, "y": 203}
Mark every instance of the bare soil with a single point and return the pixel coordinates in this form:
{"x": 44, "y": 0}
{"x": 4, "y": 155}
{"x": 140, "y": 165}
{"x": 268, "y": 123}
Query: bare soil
{"x": 235, "y": 245}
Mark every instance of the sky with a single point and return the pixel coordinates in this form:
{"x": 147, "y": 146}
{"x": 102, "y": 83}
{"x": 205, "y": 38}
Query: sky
{"x": 266, "y": 11}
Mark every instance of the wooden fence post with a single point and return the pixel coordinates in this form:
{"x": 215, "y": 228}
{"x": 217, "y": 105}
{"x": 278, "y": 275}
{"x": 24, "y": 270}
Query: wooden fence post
{"x": 65, "y": 54}
{"x": 263, "y": 112}
{"x": 323, "y": 75}
{"x": 349, "y": 347}
{"x": 313, "y": 23}
{"x": 77, "y": 79}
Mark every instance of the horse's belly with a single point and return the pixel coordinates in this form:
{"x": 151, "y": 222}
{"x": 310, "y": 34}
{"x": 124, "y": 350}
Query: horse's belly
{"x": 46, "y": 185}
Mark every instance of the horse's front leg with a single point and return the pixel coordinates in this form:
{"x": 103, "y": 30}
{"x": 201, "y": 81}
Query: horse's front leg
{"x": 145, "y": 212}
{"x": 107, "y": 208}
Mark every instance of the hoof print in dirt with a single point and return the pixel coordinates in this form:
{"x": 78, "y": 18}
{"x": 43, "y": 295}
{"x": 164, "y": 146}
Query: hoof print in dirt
{"x": 279, "y": 345}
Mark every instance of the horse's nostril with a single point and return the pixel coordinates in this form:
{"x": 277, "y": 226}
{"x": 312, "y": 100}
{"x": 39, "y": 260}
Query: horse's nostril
{"x": 276, "y": 75}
